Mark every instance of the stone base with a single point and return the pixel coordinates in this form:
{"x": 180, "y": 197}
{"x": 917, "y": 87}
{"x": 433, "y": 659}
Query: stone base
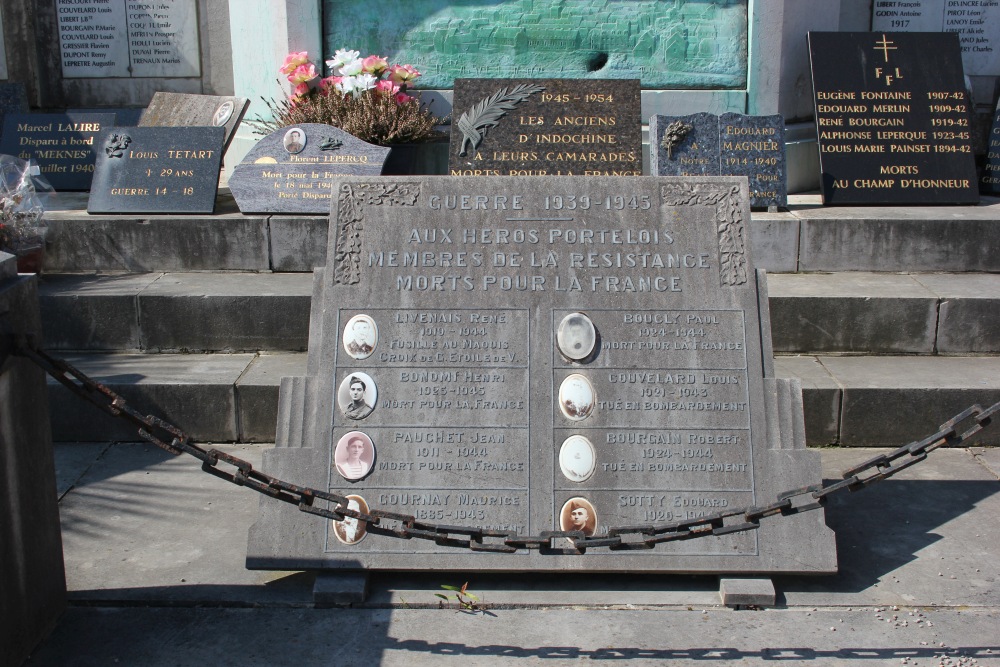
{"x": 339, "y": 589}
{"x": 740, "y": 592}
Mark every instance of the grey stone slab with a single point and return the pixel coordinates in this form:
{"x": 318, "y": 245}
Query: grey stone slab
{"x": 142, "y": 524}
{"x": 900, "y": 239}
{"x": 81, "y": 243}
{"x": 989, "y": 458}
{"x": 257, "y": 394}
{"x": 821, "y": 397}
{"x": 73, "y": 460}
{"x": 775, "y": 241}
{"x": 736, "y": 592}
{"x": 895, "y": 400}
{"x": 969, "y": 314}
{"x": 196, "y": 393}
{"x": 340, "y": 589}
{"x": 499, "y": 265}
{"x": 226, "y": 311}
{"x": 852, "y": 312}
{"x": 298, "y": 243}
{"x": 92, "y": 312}
{"x": 289, "y": 170}
{"x": 185, "y": 110}
{"x": 684, "y": 145}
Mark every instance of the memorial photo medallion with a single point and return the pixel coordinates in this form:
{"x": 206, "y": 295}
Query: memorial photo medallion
{"x": 354, "y": 455}
{"x": 576, "y": 397}
{"x": 576, "y": 336}
{"x": 577, "y": 458}
{"x": 351, "y": 530}
{"x": 360, "y": 336}
{"x": 357, "y": 395}
{"x": 578, "y": 514}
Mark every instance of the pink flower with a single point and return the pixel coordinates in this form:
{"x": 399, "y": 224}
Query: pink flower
{"x": 293, "y": 61}
{"x": 403, "y": 98}
{"x": 374, "y": 65}
{"x": 302, "y": 74}
{"x": 328, "y": 84}
{"x": 403, "y": 74}
{"x": 387, "y": 87}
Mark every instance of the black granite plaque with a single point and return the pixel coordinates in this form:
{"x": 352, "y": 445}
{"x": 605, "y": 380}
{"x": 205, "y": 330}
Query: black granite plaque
{"x": 989, "y": 183}
{"x": 273, "y": 179}
{"x": 704, "y": 144}
{"x": 528, "y": 354}
{"x": 538, "y": 127}
{"x": 13, "y": 99}
{"x": 754, "y": 146}
{"x": 684, "y": 145}
{"x": 156, "y": 170}
{"x": 62, "y": 145}
{"x": 893, "y": 118}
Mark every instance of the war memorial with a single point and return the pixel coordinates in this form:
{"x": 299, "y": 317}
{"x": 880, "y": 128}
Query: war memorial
{"x": 619, "y": 359}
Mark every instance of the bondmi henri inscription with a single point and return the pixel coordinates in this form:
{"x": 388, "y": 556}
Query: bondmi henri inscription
{"x": 553, "y": 353}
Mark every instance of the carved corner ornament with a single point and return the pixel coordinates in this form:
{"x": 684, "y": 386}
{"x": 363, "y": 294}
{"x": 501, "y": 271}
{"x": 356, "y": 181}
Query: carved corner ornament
{"x": 352, "y": 201}
{"x": 476, "y": 122}
{"x": 675, "y": 133}
{"x": 117, "y": 143}
{"x": 729, "y": 220}
{"x": 330, "y": 144}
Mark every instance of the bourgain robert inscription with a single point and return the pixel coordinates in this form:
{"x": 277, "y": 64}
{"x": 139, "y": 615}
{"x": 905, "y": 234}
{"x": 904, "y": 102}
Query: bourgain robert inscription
{"x": 893, "y": 118}
{"x": 539, "y": 127}
{"x": 549, "y": 353}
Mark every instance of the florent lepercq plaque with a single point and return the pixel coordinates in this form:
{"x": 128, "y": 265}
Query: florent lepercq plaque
{"x": 156, "y": 170}
{"x": 989, "y": 183}
{"x": 893, "y": 118}
{"x": 539, "y": 127}
{"x": 487, "y": 295}
{"x": 61, "y": 144}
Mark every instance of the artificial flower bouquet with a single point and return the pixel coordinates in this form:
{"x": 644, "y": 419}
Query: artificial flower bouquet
{"x": 22, "y": 225}
{"x": 365, "y": 97}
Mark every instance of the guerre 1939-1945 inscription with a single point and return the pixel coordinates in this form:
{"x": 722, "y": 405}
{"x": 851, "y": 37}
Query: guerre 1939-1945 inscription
{"x": 531, "y": 354}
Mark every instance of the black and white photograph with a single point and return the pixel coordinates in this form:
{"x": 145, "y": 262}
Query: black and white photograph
{"x": 357, "y": 395}
{"x": 354, "y": 455}
{"x": 360, "y": 336}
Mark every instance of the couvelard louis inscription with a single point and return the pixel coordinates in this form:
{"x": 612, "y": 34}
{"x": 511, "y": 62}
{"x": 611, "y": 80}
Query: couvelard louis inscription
{"x": 550, "y": 353}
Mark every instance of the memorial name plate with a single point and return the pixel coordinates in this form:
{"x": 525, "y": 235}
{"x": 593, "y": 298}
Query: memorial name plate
{"x": 61, "y": 144}
{"x": 128, "y": 38}
{"x": 729, "y": 145}
{"x": 974, "y": 21}
{"x": 185, "y": 110}
{"x": 893, "y": 119}
{"x": 990, "y": 181}
{"x": 156, "y": 170}
{"x": 289, "y": 170}
{"x": 539, "y": 127}
{"x": 530, "y": 354}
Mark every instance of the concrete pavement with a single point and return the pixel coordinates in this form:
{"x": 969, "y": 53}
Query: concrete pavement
{"x": 154, "y": 561}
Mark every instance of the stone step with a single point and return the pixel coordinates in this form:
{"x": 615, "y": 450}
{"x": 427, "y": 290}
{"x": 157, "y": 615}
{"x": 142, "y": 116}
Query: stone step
{"x": 849, "y": 400}
{"x": 865, "y": 313}
{"x": 807, "y": 237}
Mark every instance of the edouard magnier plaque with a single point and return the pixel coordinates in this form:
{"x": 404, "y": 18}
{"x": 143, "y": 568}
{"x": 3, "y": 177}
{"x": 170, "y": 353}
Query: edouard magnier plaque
{"x": 530, "y": 354}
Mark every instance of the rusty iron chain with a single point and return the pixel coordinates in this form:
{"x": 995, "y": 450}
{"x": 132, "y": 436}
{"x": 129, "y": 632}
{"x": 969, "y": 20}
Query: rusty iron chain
{"x": 334, "y": 506}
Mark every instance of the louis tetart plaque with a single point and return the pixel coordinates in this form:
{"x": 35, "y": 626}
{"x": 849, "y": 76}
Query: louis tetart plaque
{"x": 551, "y": 354}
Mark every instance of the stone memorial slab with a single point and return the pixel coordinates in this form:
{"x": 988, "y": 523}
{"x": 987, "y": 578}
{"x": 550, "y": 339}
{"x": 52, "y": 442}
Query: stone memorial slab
{"x": 989, "y": 183}
{"x": 531, "y": 354}
{"x": 974, "y": 21}
{"x": 289, "y": 170}
{"x": 185, "y": 110}
{"x": 893, "y": 118}
{"x": 156, "y": 170}
{"x": 62, "y": 145}
{"x": 539, "y": 127}
{"x": 733, "y": 144}
{"x": 13, "y": 99}
{"x": 124, "y": 116}
{"x": 128, "y": 38}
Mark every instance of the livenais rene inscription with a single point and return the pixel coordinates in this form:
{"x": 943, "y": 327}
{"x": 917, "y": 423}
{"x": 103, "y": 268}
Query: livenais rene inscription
{"x": 548, "y": 353}
{"x": 893, "y": 118}
{"x": 539, "y": 127}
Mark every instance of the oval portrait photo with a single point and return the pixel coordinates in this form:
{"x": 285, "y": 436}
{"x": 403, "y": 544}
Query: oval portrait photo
{"x": 351, "y": 530}
{"x": 576, "y": 397}
{"x": 223, "y": 113}
{"x": 354, "y": 455}
{"x": 578, "y": 514}
{"x": 357, "y": 395}
{"x": 294, "y": 141}
{"x": 577, "y": 458}
{"x": 576, "y": 336}
{"x": 360, "y": 336}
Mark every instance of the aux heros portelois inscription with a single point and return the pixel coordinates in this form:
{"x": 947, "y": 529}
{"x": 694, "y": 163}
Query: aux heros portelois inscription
{"x": 538, "y": 353}
{"x": 893, "y": 119}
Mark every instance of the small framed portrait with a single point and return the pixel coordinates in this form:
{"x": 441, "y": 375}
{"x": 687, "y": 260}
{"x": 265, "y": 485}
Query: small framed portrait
{"x": 360, "y": 336}
{"x": 576, "y": 397}
{"x": 351, "y": 530}
{"x": 578, "y": 514}
{"x": 354, "y": 455}
{"x": 357, "y": 395}
{"x": 576, "y": 336}
{"x": 577, "y": 458}
{"x": 294, "y": 141}
{"x": 223, "y": 114}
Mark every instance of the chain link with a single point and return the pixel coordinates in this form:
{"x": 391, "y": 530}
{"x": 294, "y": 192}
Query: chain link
{"x": 335, "y": 507}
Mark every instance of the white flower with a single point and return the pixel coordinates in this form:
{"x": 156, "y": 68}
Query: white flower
{"x": 341, "y": 58}
{"x": 346, "y": 85}
{"x": 364, "y": 82}
{"x": 352, "y": 67}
